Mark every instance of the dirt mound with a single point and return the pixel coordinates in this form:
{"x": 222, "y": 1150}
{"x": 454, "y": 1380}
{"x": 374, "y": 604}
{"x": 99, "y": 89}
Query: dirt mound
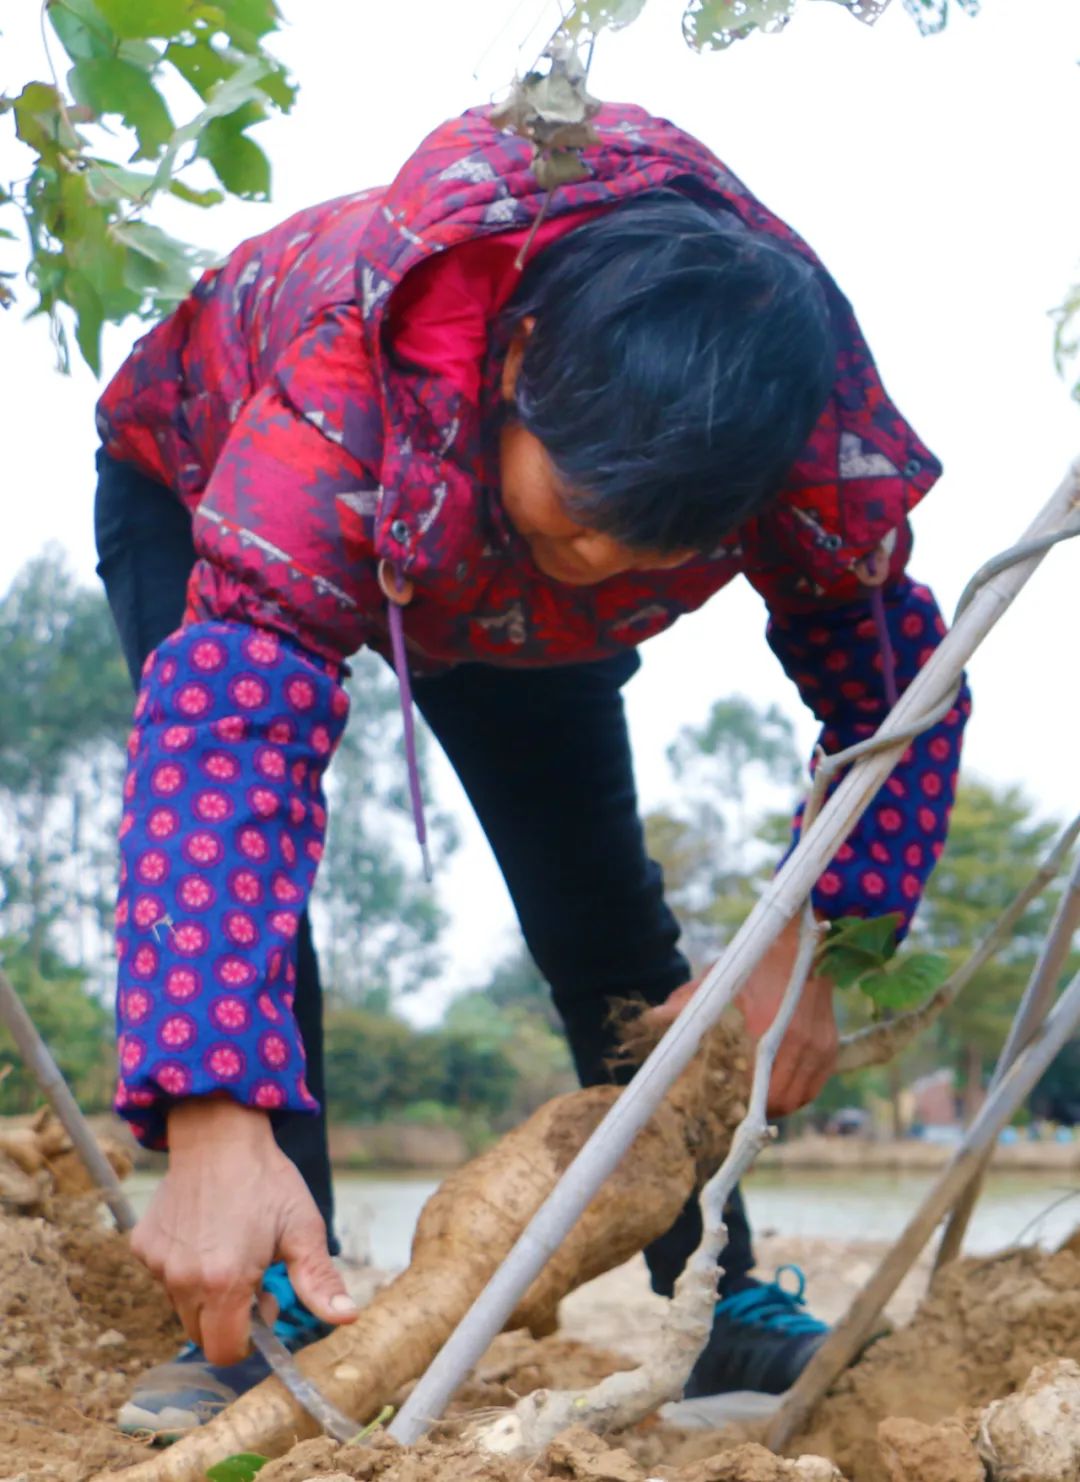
{"x": 38, "y": 1162}
{"x": 575, "y": 1456}
{"x": 79, "y": 1317}
{"x": 977, "y": 1336}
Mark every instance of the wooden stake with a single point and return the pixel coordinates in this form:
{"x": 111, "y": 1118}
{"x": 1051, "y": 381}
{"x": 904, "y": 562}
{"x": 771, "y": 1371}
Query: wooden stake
{"x": 847, "y": 1339}
{"x": 46, "y": 1072}
{"x": 1037, "y": 998}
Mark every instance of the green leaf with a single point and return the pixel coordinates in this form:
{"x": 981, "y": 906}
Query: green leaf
{"x": 201, "y": 65}
{"x": 600, "y": 15}
{"x": 109, "y": 182}
{"x": 157, "y": 266}
{"x": 714, "y": 24}
{"x": 137, "y": 18}
{"x": 239, "y": 1468}
{"x": 873, "y": 935}
{"x": 228, "y": 96}
{"x": 112, "y": 86}
{"x": 89, "y": 317}
{"x": 909, "y": 982}
{"x": 237, "y": 161}
{"x": 185, "y": 192}
{"x": 83, "y": 30}
{"x": 40, "y": 122}
{"x": 243, "y": 19}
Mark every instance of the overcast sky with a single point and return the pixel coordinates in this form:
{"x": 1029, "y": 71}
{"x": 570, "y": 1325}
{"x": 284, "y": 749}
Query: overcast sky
{"x": 935, "y": 177}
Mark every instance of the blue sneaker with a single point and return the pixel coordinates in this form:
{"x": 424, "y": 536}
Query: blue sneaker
{"x": 189, "y": 1390}
{"x": 762, "y": 1338}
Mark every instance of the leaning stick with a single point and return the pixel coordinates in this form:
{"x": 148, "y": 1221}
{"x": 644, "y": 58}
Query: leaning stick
{"x": 46, "y": 1072}
{"x": 995, "y": 588}
{"x": 880, "y": 1043}
{"x": 1037, "y": 998}
{"x": 848, "y": 1337}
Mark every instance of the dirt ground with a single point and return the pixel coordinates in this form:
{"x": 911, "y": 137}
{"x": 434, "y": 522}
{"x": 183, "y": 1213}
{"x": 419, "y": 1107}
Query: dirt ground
{"x": 79, "y": 1319}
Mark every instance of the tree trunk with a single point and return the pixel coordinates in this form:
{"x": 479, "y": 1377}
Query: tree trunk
{"x": 896, "y": 1087}
{"x": 973, "y": 1082}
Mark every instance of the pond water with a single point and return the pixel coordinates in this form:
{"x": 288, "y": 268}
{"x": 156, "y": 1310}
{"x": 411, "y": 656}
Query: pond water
{"x": 377, "y": 1212}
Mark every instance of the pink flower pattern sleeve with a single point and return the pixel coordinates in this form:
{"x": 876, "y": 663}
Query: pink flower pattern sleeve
{"x": 835, "y": 659}
{"x": 221, "y": 836}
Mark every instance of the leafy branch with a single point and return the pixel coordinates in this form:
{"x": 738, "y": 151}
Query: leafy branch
{"x": 861, "y": 953}
{"x": 714, "y": 25}
{"x": 92, "y": 252}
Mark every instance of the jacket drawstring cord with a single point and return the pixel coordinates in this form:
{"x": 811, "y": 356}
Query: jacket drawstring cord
{"x": 401, "y": 669}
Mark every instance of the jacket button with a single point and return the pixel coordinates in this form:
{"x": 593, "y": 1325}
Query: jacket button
{"x": 912, "y": 467}
{"x": 400, "y": 531}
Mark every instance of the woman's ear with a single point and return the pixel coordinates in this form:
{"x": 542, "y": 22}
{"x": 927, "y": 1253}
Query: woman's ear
{"x": 515, "y": 355}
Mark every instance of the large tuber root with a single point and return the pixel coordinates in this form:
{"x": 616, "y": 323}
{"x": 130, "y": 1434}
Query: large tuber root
{"x": 468, "y": 1226}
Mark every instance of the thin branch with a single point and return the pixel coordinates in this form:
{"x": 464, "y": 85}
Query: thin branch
{"x": 881, "y": 1043}
{"x": 61, "y": 103}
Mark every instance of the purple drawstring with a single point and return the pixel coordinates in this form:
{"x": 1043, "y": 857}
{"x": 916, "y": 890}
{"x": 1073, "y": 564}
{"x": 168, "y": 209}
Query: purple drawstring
{"x": 401, "y": 669}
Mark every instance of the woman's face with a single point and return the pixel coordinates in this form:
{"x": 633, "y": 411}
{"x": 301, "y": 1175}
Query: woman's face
{"x": 535, "y": 501}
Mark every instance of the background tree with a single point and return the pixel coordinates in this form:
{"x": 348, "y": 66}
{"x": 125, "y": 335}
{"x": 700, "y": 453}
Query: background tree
{"x": 738, "y": 775}
{"x": 75, "y": 1023}
{"x": 514, "y": 1019}
{"x": 65, "y": 710}
{"x": 378, "y": 922}
{"x": 995, "y": 844}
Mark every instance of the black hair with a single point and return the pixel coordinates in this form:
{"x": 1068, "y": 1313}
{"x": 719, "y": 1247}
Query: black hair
{"x": 677, "y": 366}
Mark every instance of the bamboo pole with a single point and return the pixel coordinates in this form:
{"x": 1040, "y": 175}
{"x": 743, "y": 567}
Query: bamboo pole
{"x": 46, "y": 1072}
{"x": 1037, "y": 998}
{"x": 848, "y": 1337}
{"x": 991, "y": 595}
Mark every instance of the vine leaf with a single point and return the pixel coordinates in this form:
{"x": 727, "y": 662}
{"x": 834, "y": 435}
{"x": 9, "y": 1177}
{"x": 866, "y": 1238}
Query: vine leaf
{"x": 857, "y": 945}
{"x": 145, "y": 18}
{"x": 860, "y": 952}
{"x": 906, "y": 983}
{"x": 108, "y": 85}
{"x": 241, "y": 1467}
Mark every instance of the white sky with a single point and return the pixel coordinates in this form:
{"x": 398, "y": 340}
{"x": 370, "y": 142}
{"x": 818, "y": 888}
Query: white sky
{"x": 935, "y": 177}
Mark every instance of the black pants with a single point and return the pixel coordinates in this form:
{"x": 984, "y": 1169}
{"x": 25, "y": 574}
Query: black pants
{"x": 544, "y": 757}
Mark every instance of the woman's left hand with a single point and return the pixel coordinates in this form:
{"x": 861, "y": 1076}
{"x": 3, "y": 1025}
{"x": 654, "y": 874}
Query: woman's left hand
{"x": 807, "y": 1056}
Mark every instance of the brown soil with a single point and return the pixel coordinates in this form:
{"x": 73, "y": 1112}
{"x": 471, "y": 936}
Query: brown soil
{"x": 575, "y": 1456}
{"x": 976, "y": 1337}
{"x": 78, "y": 1319}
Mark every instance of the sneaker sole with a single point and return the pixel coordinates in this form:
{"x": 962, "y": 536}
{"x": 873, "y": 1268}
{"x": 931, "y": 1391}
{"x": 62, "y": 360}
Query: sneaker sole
{"x": 713, "y": 1412}
{"x": 160, "y": 1427}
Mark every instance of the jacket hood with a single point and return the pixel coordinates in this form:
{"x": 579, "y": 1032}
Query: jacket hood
{"x": 861, "y": 472}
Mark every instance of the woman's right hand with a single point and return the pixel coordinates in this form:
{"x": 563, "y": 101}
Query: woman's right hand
{"x": 231, "y": 1205}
